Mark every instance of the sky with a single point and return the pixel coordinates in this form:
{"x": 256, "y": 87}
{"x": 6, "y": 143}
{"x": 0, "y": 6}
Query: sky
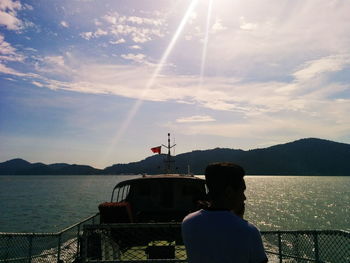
{"x": 101, "y": 82}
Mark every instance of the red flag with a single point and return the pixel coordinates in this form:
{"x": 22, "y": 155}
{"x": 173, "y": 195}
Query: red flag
{"x": 156, "y": 149}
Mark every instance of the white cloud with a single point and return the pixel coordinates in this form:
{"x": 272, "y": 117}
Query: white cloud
{"x": 138, "y": 35}
{"x": 10, "y": 71}
{"x": 7, "y": 52}
{"x": 195, "y": 118}
{"x": 119, "y": 41}
{"x": 38, "y": 84}
{"x": 86, "y": 35}
{"x": 64, "y": 24}
{"x": 142, "y": 20}
{"x": 10, "y": 5}
{"x": 100, "y": 32}
{"x": 134, "y": 57}
{"x": 265, "y": 107}
{"x": 311, "y": 69}
{"x": 8, "y": 14}
{"x": 111, "y": 18}
{"x": 217, "y": 26}
{"x": 89, "y": 35}
{"x": 248, "y": 99}
{"x": 266, "y": 128}
{"x": 138, "y": 29}
{"x": 10, "y": 21}
{"x": 28, "y": 7}
{"x": 55, "y": 60}
{"x": 246, "y": 25}
{"x": 135, "y": 47}
{"x": 5, "y": 47}
{"x": 272, "y": 39}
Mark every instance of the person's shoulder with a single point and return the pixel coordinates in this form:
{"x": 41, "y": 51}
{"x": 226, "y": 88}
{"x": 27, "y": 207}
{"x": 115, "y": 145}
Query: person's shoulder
{"x": 192, "y": 216}
{"x": 252, "y": 229}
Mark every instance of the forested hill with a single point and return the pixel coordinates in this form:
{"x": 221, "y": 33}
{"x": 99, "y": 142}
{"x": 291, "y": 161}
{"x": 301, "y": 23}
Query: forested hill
{"x": 22, "y": 167}
{"x": 302, "y": 157}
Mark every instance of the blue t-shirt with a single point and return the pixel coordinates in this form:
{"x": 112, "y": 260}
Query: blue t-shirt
{"x": 221, "y": 236}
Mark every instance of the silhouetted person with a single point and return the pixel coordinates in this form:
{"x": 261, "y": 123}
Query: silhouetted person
{"x": 218, "y": 234}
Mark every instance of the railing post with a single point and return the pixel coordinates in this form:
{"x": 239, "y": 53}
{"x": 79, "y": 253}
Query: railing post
{"x": 59, "y": 248}
{"x": 78, "y": 241}
{"x": 30, "y": 237}
{"x": 84, "y": 243}
{"x": 279, "y": 246}
{"x": 317, "y": 256}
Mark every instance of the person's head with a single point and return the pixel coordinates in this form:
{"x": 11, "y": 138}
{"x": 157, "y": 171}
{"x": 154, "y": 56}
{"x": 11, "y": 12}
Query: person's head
{"x": 226, "y": 186}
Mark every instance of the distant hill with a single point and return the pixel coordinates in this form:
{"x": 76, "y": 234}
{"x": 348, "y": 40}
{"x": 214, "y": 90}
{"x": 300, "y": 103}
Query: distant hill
{"x": 22, "y": 167}
{"x": 302, "y": 157}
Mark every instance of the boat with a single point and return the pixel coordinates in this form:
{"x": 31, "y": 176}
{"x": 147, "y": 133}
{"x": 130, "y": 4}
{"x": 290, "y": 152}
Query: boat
{"x": 162, "y": 198}
{"x": 165, "y": 197}
{"x": 155, "y": 198}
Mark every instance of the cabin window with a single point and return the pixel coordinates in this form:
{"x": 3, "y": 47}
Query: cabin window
{"x": 123, "y": 193}
{"x": 206, "y": 189}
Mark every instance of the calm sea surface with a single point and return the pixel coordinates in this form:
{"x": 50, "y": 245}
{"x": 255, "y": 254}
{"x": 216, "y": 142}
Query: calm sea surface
{"x": 51, "y": 203}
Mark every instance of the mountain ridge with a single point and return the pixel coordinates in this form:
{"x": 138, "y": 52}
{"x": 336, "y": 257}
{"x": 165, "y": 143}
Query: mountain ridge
{"x": 308, "y": 156}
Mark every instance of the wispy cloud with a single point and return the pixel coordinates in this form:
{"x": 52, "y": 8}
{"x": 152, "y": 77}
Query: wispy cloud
{"x": 8, "y": 52}
{"x": 117, "y": 42}
{"x": 246, "y": 25}
{"x": 135, "y": 47}
{"x": 10, "y": 71}
{"x": 195, "y": 118}
{"x": 314, "y": 68}
{"x": 57, "y": 60}
{"x": 140, "y": 58}
{"x": 216, "y": 93}
{"x": 267, "y": 128}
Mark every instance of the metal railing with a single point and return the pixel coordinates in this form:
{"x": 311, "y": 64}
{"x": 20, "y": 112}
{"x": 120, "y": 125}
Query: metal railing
{"x": 89, "y": 241}
{"x": 308, "y": 246}
{"x": 63, "y": 246}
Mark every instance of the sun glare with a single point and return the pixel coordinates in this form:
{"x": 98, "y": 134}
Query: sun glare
{"x": 205, "y": 43}
{"x": 133, "y": 111}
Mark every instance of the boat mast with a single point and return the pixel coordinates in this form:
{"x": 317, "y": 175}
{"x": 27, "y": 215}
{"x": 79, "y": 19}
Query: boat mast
{"x": 168, "y": 160}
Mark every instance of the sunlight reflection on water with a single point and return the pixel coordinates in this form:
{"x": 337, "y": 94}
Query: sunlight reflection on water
{"x": 290, "y": 202}
{"x": 50, "y": 203}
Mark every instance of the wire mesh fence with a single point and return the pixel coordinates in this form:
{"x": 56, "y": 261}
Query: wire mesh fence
{"x": 133, "y": 242}
{"x": 89, "y": 241}
{"x": 60, "y": 247}
{"x": 308, "y": 246}
{"x": 151, "y": 242}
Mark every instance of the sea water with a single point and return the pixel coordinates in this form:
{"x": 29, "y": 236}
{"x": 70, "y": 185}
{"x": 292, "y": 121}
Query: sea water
{"x": 51, "y": 203}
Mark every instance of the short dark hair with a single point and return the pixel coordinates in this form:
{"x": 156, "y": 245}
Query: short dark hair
{"x": 220, "y": 175}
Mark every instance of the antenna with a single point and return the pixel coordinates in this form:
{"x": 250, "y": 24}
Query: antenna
{"x": 168, "y": 160}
